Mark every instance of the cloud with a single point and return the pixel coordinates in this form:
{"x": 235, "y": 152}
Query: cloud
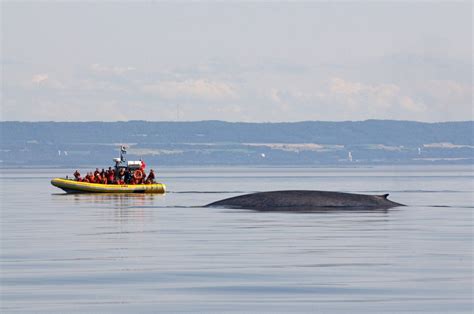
{"x": 275, "y": 95}
{"x": 90, "y": 85}
{"x": 340, "y": 86}
{"x": 282, "y": 98}
{"x": 374, "y": 98}
{"x": 242, "y": 96}
{"x": 340, "y": 92}
{"x": 353, "y": 93}
{"x": 39, "y": 78}
{"x": 447, "y": 91}
{"x": 116, "y": 70}
{"x": 45, "y": 81}
{"x": 411, "y": 105}
{"x": 196, "y": 89}
{"x": 344, "y": 99}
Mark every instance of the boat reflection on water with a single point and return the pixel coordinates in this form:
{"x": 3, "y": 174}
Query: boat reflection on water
{"x": 116, "y": 200}
{"x": 124, "y": 206}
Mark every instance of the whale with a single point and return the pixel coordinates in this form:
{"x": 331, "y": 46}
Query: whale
{"x": 306, "y": 200}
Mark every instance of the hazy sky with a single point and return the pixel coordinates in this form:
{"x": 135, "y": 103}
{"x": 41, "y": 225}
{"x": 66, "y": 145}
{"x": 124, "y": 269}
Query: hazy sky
{"x": 237, "y": 62}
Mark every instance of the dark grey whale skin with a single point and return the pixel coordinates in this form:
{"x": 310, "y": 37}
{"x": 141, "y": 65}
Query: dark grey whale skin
{"x": 301, "y": 200}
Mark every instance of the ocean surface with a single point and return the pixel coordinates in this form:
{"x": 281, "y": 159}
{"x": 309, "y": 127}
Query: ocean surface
{"x": 64, "y": 253}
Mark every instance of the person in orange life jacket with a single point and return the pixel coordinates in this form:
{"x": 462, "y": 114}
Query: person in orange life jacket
{"x": 92, "y": 177}
{"x": 110, "y": 175}
{"x": 98, "y": 178}
{"x": 88, "y": 178}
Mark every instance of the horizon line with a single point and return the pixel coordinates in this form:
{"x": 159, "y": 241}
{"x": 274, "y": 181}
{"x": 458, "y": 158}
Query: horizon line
{"x": 226, "y": 121}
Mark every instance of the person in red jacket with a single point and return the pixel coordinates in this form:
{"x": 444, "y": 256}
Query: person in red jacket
{"x": 111, "y": 175}
{"x": 98, "y": 178}
{"x": 88, "y": 177}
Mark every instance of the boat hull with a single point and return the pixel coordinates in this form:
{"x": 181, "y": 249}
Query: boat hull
{"x": 71, "y": 186}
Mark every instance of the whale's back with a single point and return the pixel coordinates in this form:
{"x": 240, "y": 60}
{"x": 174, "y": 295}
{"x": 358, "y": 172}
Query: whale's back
{"x": 305, "y": 200}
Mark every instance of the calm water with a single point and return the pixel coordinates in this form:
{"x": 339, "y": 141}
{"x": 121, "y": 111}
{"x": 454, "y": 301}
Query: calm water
{"x": 150, "y": 253}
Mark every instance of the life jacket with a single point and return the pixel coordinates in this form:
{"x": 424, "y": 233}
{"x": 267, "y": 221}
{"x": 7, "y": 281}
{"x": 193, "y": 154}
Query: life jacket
{"x": 138, "y": 174}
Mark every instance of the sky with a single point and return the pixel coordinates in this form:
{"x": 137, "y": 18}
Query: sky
{"x": 240, "y": 61}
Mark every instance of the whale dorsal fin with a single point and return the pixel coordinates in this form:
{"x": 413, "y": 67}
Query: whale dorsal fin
{"x": 385, "y": 196}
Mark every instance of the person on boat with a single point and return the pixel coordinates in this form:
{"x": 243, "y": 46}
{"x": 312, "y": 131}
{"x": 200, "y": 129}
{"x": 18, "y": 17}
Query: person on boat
{"x": 143, "y": 165}
{"x": 127, "y": 176}
{"x": 96, "y": 172}
{"x": 142, "y": 179}
{"x": 151, "y": 177}
{"x": 98, "y": 177}
{"x": 77, "y": 176}
{"x": 121, "y": 176}
{"x": 102, "y": 173}
{"x": 91, "y": 177}
{"x": 110, "y": 175}
{"x": 117, "y": 177}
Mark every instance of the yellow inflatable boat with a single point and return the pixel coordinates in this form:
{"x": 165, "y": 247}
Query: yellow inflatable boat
{"x": 72, "y": 186}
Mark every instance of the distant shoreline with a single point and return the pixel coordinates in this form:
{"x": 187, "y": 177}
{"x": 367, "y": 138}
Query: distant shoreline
{"x": 229, "y": 121}
{"x": 218, "y": 143}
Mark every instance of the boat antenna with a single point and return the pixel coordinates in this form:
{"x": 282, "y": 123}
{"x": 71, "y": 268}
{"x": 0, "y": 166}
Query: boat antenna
{"x": 123, "y": 151}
